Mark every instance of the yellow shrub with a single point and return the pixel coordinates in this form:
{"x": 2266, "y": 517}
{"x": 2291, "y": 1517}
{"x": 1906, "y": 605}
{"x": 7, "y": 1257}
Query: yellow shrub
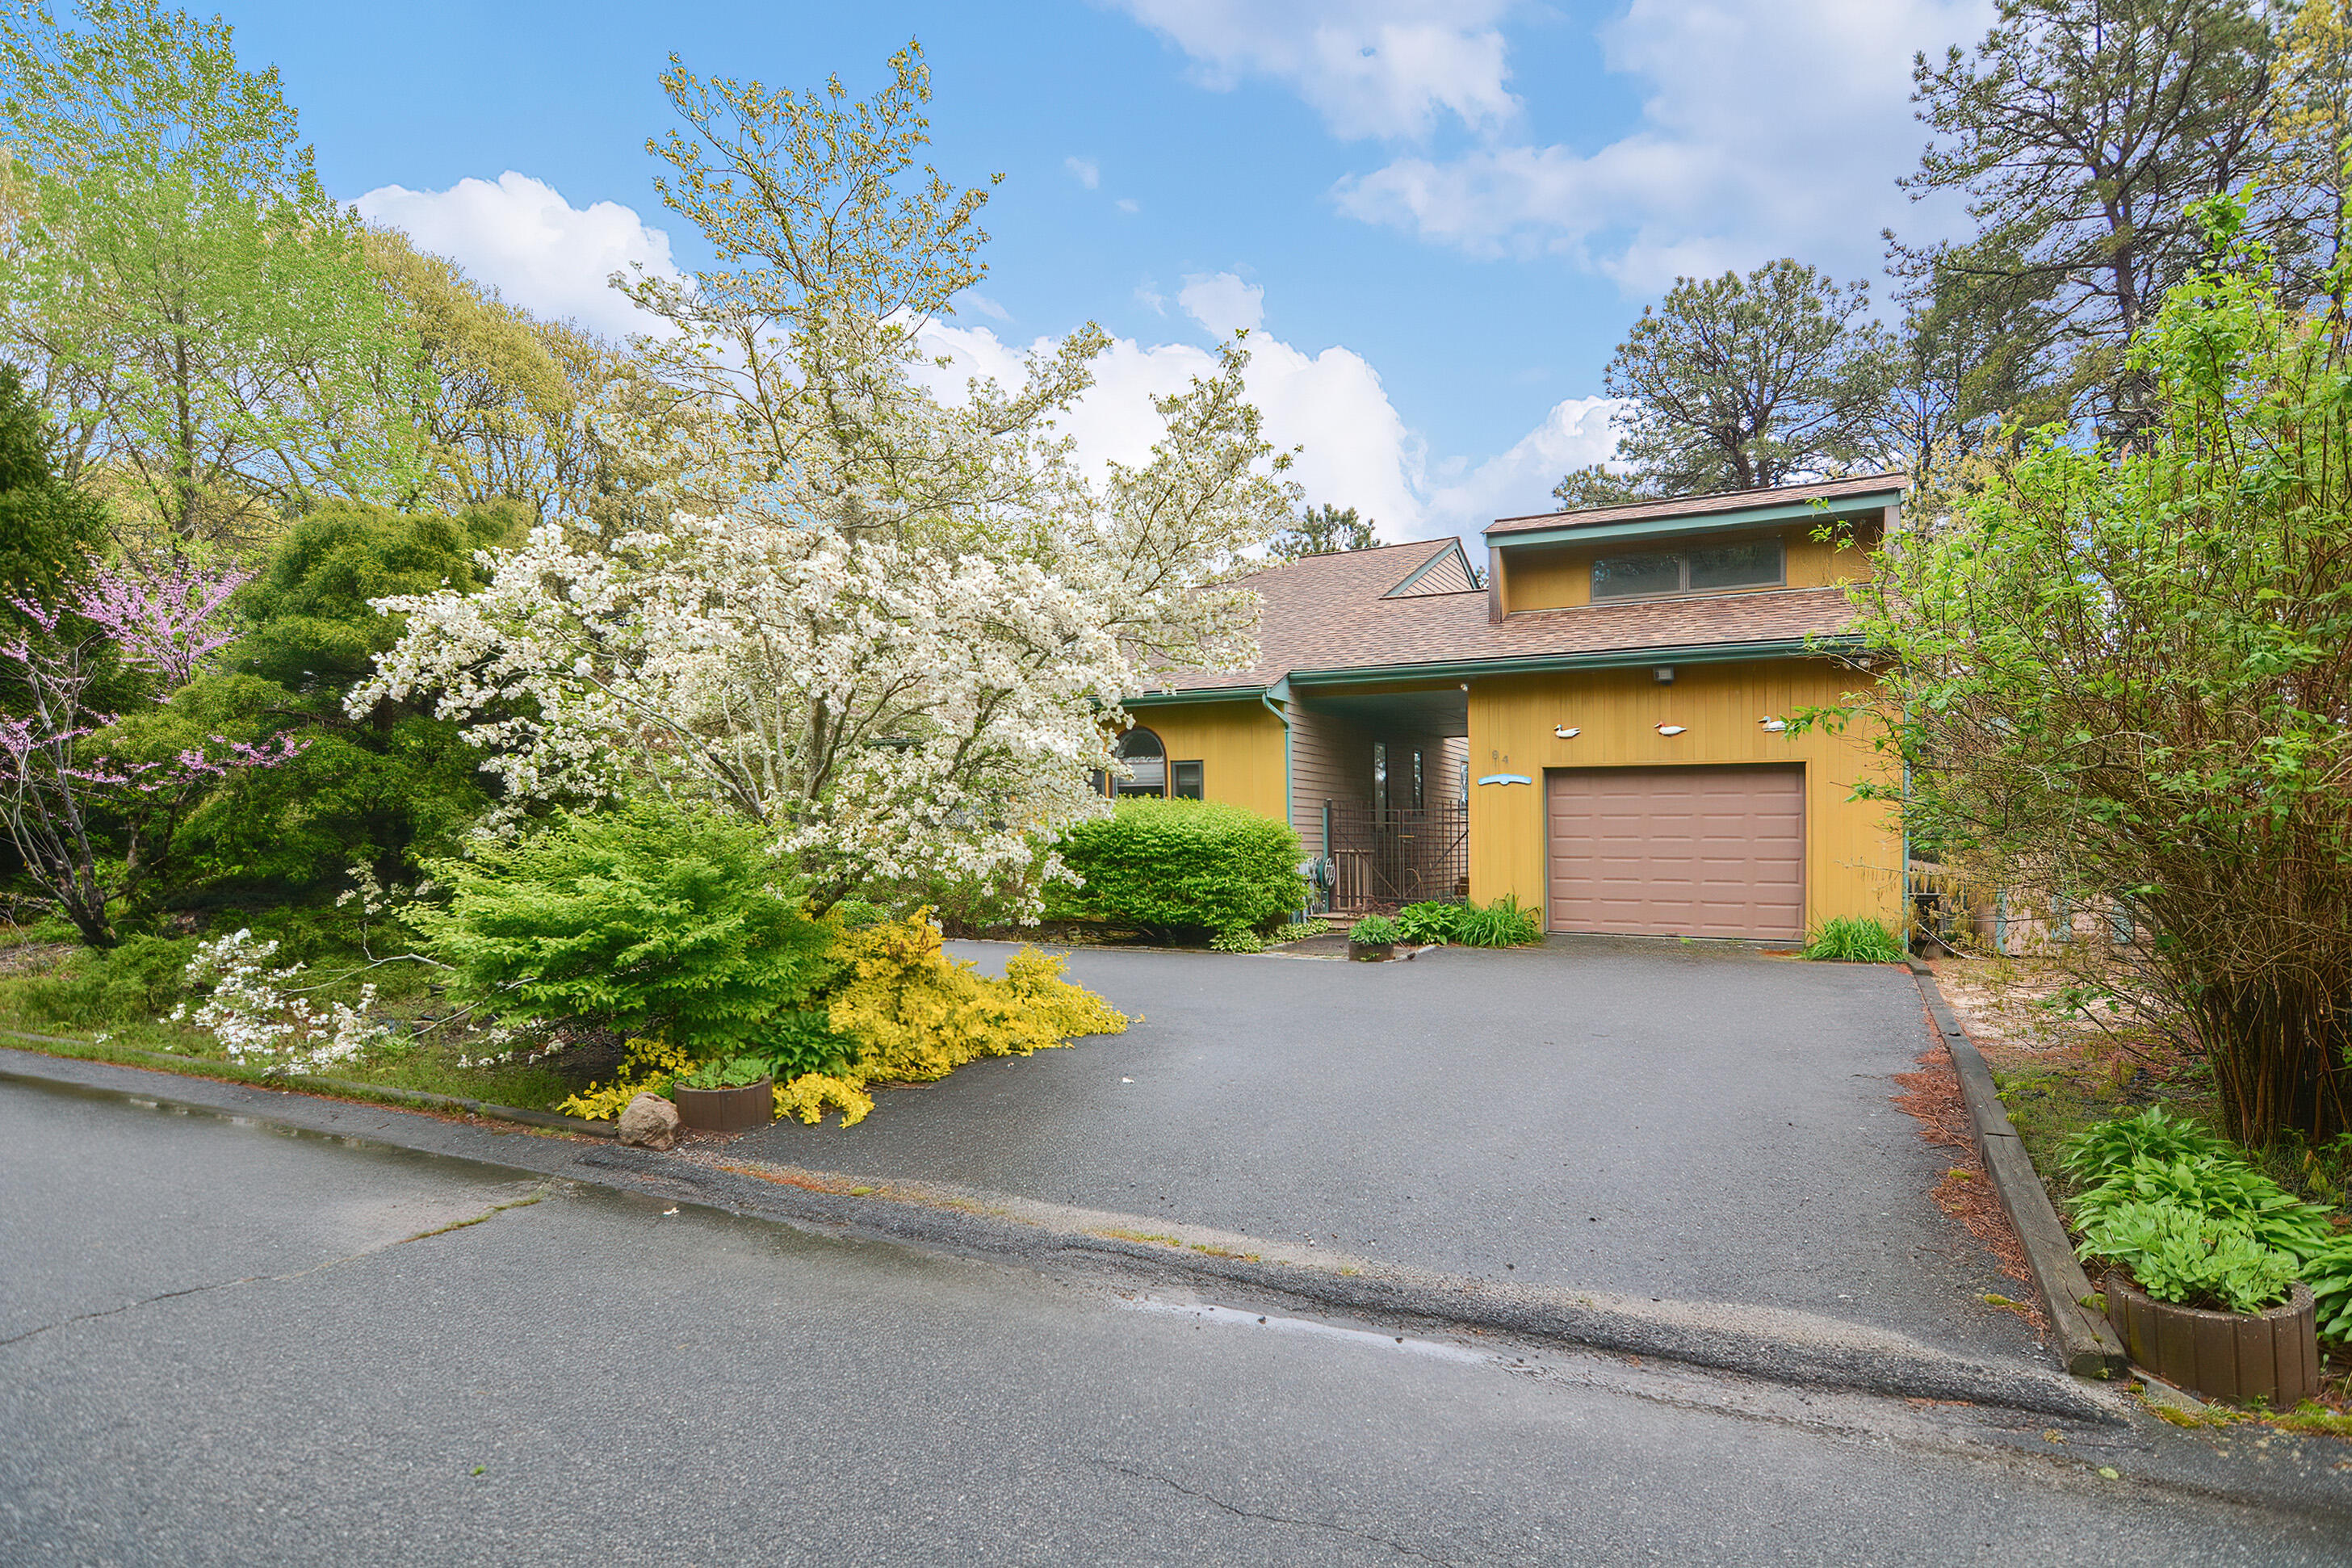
{"x": 915, "y": 1015}
{"x": 648, "y": 1065}
{"x": 918, "y": 1015}
{"x": 807, "y": 1096}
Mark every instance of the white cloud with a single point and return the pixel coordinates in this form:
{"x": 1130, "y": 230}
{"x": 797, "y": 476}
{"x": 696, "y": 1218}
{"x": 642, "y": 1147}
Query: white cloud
{"x": 521, "y": 237}
{"x": 1086, "y": 170}
{"x": 1128, "y": 205}
{"x": 1356, "y": 449}
{"x": 1372, "y": 67}
{"x": 1222, "y": 303}
{"x": 1518, "y": 482}
{"x": 1767, "y": 128}
{"x": 974, "y": 300}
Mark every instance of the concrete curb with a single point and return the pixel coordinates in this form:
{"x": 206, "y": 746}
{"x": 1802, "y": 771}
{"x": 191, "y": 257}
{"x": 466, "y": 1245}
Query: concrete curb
{"x": 1779, "y": 1347}
{"x": 302, "y": 1081}
{"x": 2087, "y": 1345}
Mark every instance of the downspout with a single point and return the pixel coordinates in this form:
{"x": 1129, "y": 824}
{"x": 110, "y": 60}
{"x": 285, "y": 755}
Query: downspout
{"x": 1266, "y": 697}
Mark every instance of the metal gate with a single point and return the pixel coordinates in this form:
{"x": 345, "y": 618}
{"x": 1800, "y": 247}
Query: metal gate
{"x": 1385, "y": 859}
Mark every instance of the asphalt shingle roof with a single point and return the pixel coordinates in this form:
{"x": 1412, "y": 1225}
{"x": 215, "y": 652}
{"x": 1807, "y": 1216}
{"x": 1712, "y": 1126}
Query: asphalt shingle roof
{"x": 1327, "y": 613}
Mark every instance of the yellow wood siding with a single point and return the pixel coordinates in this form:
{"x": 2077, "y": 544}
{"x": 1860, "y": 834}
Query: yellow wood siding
{"x": 1560, "y": 576}
{"x": 1237, "y": 744}
{"x": 1817, "y": 562}
{"x": 1852, "y": 848}
{"x": 1547, "y": 577}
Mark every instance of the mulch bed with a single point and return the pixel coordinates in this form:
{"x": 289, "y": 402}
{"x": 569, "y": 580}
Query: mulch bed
{"x": 1932, "y": 1097}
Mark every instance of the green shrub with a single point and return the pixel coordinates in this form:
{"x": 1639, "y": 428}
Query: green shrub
{"x": 2097, "y": 1152}
{"x": 1242, "y": 940}
{"x": 1851, "y": 939}
{"x": 2225, "y": 1190}
{"x": 140, "y": 979}
{"x": 1171, "y": 865}
{"x": 2177, "y": 1254}
{"x": 1429, "y": 923}
{"x": 2327, "y": 1270}
{"x": 1375, "y": 928}
{"x": 640, "y": 917}
{"x": 1500, "y": 924}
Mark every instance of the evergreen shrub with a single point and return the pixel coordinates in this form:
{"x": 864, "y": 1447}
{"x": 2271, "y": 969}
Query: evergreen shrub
{"x": 1182, "y": 865}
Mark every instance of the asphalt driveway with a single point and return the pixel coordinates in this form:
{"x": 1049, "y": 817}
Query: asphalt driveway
{"x": 1682, "y": 1121}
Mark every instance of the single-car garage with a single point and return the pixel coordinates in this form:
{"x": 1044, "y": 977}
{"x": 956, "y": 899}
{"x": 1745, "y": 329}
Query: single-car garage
{"x": 1676, "y": 851}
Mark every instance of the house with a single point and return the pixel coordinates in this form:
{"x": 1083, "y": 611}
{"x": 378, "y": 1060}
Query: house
{"x": 1601, "y": 730}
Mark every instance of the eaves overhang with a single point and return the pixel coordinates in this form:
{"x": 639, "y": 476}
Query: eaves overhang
{"x": 1198, "y": 694}
{"x": 1827, "y": 645}
{"x": 1708, "y": 523}
{"x": 1818, "y": 646}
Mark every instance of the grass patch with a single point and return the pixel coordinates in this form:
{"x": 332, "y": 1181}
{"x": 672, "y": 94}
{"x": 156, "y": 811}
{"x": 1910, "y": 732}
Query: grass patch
{"x": 1850, "y": 939}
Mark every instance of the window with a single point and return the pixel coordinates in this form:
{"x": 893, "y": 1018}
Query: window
{"x": 1184, "y": 780}
{"x": 1140, "y": 749}
{"x": 1750, "y": 564}
{"x": 1416, "y": 778}
{"x": 1462, "y": 782}
{"x": 1380, "y": 781}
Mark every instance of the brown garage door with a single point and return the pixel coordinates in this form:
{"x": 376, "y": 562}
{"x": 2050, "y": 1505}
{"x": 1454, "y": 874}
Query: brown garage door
{"x": 1678, "y": 851}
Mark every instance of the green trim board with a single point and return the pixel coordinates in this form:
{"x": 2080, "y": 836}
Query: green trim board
{"x": 1155, "y": 699}
{"x": 1461, "y": 669}
{"x": 1611, "y": 659}
{"x": 1709, "y": 523}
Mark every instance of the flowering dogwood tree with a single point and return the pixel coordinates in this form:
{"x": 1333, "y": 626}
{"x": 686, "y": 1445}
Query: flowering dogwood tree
{"x": 86, "y": 816}
{"x": 895, "y": 626}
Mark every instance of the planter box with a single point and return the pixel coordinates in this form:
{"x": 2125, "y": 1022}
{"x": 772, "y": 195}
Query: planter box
{"x": 1371, "y": 951}
{"x": 726, "y": 1110}
{"x": 2273, "y": 1356}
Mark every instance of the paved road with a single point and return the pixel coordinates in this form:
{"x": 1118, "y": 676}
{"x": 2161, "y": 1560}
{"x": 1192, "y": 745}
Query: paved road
{"x": 222, "y": 1343}
{"x": 1688, "y": 1122}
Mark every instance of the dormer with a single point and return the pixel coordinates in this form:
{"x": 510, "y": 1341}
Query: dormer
{"x": 1745, "y": 541}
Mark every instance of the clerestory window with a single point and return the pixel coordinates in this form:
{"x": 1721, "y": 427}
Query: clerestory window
{"x": 1750, "y": 564}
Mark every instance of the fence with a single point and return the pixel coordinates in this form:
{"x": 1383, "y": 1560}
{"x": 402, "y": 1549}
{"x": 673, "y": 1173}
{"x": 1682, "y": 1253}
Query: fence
{"x": 1383, "y": 859}
{"x": 1951, "y": 913}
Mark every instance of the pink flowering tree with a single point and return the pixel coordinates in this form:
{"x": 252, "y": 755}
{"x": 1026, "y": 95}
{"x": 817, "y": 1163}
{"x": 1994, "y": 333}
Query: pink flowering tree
{"x": 91, "y": 816}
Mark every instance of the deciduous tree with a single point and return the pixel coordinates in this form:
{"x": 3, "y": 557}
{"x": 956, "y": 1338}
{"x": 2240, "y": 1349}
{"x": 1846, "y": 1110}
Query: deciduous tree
{"x": 191, "y": 305}
{"x": 894, "y": 628}
{"x": 2121, "y": 677}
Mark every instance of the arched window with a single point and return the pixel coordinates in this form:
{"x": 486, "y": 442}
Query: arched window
{"x": 1141, "y": 750}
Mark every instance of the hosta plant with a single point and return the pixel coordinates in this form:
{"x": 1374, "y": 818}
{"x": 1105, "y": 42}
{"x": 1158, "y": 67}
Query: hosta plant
{"x": 2175, "y": 1254}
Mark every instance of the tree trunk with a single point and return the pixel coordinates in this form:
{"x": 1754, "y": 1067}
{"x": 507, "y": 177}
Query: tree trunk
{"x": 2278, "y": 1056}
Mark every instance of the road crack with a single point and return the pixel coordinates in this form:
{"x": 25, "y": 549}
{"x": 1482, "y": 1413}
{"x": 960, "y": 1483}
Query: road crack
{"x": 1239, "y": 1512}
{"x": 490, "y": 1212}
{"x": 128, "y": 1306}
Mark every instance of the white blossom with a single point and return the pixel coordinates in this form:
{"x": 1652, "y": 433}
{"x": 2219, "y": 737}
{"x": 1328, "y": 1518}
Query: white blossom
{"x": 922, "y": 691}
{"x": 258, "y": 1023}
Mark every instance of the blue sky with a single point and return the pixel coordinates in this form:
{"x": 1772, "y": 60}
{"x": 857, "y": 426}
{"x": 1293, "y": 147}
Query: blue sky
{"x": 1439, "y": 215}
